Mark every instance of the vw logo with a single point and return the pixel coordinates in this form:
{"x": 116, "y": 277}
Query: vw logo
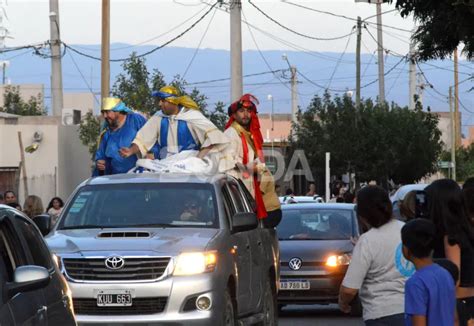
{"x": 295, "y": 263}
{"x": 114, "y": 262}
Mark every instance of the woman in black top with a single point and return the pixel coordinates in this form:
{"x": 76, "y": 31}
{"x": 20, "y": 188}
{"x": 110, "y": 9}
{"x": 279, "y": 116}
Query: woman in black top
{"x": 455, "y": 239}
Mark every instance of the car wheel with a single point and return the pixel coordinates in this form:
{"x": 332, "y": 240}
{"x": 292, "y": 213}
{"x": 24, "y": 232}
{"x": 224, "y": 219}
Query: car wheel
{"x": 228, "y": 316}
{"x": 269, "y": 306}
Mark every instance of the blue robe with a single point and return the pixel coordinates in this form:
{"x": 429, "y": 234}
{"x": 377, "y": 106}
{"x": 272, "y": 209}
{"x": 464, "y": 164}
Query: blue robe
{"x": 112, "y": 141}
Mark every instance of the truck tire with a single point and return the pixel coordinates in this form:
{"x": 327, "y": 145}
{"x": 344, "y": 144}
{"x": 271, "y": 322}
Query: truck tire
{"x": 270, "y": 308}
{"x": 228, "y": 313}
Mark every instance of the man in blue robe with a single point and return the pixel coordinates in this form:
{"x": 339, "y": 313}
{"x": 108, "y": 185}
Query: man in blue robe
{"x": 122, "y": 127}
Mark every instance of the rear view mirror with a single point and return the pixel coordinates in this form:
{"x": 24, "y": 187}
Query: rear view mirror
{"x": 28, "y": 278}
{"x": 43, "y": 222}
{"x": 244, "y": 222}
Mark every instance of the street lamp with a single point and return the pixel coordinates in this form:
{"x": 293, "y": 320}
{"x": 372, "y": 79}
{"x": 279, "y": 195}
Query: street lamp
{"x": 270, "y": 98}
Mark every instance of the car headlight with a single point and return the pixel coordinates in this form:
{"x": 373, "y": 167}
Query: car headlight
{"x": 338, "y": 260}
{"x": 191, "y": 263}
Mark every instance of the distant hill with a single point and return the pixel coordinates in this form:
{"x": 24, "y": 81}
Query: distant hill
{"x": 210, "y": 64}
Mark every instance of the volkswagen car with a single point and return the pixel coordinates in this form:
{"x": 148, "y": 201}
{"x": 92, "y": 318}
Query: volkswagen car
{"x": 316, "y": 243}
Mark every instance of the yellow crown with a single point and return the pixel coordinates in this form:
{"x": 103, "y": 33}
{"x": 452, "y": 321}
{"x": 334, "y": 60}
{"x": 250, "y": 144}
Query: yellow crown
{"x": 108, "y": 103}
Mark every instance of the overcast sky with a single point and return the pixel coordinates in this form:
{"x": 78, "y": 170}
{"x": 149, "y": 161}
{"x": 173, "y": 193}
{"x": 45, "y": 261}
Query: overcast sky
{"x": 138, "y": 21}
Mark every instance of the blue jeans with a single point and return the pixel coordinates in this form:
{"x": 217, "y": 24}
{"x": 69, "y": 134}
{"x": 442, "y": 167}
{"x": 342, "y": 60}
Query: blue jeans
{"x": 392, "y": 320}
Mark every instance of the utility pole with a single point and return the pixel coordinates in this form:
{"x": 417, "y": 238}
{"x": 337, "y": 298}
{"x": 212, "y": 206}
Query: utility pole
{"x": 457, "y": 127}
{"x": 294, "y": 95}
{"x": 56, "y": 70}
{"x": 380, "y": 53}
{"x": 453, "y": 135}
{"x": 359, "y": 40}
{"x": 236, "y": 86}
{"x": 105, "y": 63}
{"x": 412, "y": 77}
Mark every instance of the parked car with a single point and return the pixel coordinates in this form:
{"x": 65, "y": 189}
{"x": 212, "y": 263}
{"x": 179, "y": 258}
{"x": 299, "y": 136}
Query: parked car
{"x": 316, "y": 243}
{"x": 400, "y": 194}
{"x": 300, "y": 199}
{"x": 166, "y": 249}
{"x": 33, "y": 290}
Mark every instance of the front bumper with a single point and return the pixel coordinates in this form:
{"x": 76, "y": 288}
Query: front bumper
{"x": 324, "y": 285}
{"x": 177, "y": 292}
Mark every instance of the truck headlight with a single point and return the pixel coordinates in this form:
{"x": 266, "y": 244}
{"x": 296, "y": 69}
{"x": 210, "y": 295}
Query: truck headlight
{"x": 338, "y": 260}
{"x": 191, "y": 263}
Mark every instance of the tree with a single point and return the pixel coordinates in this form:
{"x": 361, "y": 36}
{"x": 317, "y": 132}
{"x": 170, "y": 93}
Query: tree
{"x": 135, "y": 85}
{"x": 464, "y": 162}
{"x": 89, "y": 130}
{"x": 219, "y": 116}
{"x": 375, "y": 142}
{"x": 14, "y": 104}
{"x": 442, "y": 25}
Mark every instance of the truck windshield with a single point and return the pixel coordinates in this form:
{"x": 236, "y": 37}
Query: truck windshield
{"x": 142, "y": 205}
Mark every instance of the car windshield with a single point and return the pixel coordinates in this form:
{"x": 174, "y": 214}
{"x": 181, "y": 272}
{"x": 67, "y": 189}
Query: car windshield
{"x": 316, "y": 224}
{"x": 142, "y": 205}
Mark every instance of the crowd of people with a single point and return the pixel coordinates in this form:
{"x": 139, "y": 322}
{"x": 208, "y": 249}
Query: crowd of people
{"x": 33, "y": 205}
{"x": 416, "y": 273}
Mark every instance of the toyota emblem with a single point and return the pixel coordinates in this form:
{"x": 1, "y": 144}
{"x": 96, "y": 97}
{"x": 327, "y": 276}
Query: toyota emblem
{"x": 114, "y": 262}
{"x": 295, "y": 263}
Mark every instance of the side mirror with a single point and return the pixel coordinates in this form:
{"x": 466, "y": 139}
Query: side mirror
{"x": 43, "y": 222}
{"x": 244, "y": 222}
{"x": 28, "y": 278}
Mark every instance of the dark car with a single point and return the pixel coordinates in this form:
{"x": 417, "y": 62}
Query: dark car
{"x": 316, "y": 243}
{"x": 33, "y": 291}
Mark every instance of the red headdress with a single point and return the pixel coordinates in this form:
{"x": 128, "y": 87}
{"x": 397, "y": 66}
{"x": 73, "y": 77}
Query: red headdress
{"x": 250, "y": 102}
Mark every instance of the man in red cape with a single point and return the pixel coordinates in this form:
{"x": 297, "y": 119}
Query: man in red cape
{"x": 246, "y": 144}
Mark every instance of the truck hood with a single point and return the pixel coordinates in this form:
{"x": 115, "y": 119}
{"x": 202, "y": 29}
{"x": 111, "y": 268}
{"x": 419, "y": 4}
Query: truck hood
{"x": 163, "y": 241}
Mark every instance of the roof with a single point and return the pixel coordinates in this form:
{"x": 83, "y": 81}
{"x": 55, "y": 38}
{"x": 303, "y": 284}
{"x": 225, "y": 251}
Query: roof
{"x": 153, "y": 178}
{"x": 318, "y": 206}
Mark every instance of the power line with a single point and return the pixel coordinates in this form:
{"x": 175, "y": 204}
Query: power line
{"x": 428, "y": 82}
{"x": 383, "y": 13}
{"x": 199, "y": 45}
{"x": 377, "y": 42}
{"x": 83, "y": 78}
{"x": 261, "y": 54}
{"x": 342, "y": 16}
{"x": 465, "y": 108}
{"x": 273, "y": 72}
{"x": 154, "y": 49}
{"x": 338, "y": 62}
{"x": 298, "y": 33}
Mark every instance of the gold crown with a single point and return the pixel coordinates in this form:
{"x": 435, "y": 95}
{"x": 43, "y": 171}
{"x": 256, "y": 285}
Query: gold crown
{"x": 108, "y": 103}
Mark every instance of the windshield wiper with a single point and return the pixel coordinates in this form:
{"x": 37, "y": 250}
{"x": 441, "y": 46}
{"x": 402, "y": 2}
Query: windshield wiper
{"x": 85, "y": 226}
{"x": 93, "y": 226}
{"x": 156, "y": 225}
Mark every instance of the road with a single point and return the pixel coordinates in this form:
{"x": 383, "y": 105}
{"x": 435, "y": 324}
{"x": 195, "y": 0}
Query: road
{"x": 316, "y": 315}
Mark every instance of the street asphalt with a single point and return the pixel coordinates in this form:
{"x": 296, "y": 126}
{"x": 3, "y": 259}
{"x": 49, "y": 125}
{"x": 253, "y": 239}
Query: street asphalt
{"x": 325, "y": 315}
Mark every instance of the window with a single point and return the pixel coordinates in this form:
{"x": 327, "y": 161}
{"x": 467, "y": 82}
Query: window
{"x": 39, "y": 251}
{"x": 143, "y": 205}
{"x": 237, "y": 197}
{"x": 11, "y": 251}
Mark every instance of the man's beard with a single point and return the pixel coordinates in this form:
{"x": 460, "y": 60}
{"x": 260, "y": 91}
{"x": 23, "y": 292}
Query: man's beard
{"x": 113, "y": 124}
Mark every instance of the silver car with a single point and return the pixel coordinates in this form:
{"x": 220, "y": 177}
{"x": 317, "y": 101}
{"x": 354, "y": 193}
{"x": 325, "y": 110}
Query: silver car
{"x": 168, "y": 250}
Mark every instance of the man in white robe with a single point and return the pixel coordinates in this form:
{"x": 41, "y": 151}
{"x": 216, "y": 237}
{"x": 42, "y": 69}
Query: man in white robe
{"x": 180, "y": 125}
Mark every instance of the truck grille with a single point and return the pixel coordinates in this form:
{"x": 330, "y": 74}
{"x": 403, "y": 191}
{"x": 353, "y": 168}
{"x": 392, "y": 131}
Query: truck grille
{"x": 141, "y": 306}
{"x": 94, "y": 269}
